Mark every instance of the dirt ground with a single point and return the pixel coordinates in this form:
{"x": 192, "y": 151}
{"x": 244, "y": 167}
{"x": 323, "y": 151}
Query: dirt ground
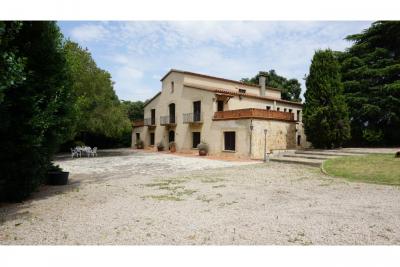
{"x": 142, "y": 198}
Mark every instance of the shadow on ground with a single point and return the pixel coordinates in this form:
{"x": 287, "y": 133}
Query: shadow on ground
{"x": 101, "y": 153}
{"x": 16, "y": 211}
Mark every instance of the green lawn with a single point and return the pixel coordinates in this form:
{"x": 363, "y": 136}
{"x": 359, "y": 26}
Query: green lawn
{"x": 376, "y": 168}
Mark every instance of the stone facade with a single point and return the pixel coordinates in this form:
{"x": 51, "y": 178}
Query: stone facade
{"x": 191, "y": 103}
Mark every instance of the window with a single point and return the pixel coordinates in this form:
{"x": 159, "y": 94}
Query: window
{"x": 284, "y": 110}
{"x": 298, "y": 115}
{"x": 172, "y": 87}
{"x": 277, "y": 109}
{"x": 220, "y": 105}
{"x": 268, "y": 107}
{"x": 195, "y": 139}
{"x": 299, "y": 140}
{"x": 229, "y": 138}
{"x": 152, "y": 139}
{"x": 137, "y": 136}
{"x": 153, "y": 117}
{"x": 290, "y": 110}
{"x": 242, "y": 91}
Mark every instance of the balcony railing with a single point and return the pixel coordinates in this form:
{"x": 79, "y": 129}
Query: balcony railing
{"x": 149, "y": 122}
{"x": 137, "y": 123}
{"x": 196, "y": 117}
{"x": 167, "y": 120}
{"x": 253, "y": 113}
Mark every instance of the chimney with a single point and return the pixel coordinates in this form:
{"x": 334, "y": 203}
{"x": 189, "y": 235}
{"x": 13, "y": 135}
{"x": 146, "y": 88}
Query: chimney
{"x": 261, "y": 81}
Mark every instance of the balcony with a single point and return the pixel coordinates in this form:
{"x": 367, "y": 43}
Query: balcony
{"x": 193, "y": 118}
{"x": 151, "y": 122}
{"x": 167, "y": 120}
{"x": 137, "y": 123}
{"x": 253, "y": 113}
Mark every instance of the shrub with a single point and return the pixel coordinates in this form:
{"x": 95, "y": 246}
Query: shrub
{"x": 36, "y": 105}
{"x": 139, "y": 144}
{"x": 171, "y": 145}
{"x": 203, "y": 147}
{"x": 54, "y": 168}
{"x": 160, "y": 146}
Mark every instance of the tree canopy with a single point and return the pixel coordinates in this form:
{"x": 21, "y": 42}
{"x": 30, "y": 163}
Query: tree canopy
{"x": 325, "y": 113}
{"x": 290, "y": 88}
{"x": 134, "y": 109}
{"x": 98, "y": 107}
{"x": 36, "y": 106}
{"x": 371, "y": 78}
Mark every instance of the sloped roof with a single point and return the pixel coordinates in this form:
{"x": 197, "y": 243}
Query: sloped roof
{"x": 216, "y": 78}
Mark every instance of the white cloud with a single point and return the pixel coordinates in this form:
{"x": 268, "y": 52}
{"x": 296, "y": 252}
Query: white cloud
{"x": 89, "y": 32}
{"x": 139, "y": 53}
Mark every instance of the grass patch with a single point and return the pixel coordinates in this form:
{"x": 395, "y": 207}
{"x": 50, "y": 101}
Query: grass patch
{"x": 164, "y": 197}
{"x": 219, "y": 186}
{"x": 204, "y": 198}
{"x": 211, "y": 180}
{"x": 375, "y": 168}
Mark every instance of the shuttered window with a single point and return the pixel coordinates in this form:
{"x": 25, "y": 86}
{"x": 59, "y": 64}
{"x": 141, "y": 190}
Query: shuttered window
{"x": 230, "y": 140}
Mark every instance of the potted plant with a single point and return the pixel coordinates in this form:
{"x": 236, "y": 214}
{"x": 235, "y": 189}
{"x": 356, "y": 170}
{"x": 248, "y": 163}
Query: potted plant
{"x": 160, "y": 146}
{"x": 203, "y": 149}
{"x": 139, "y": 144}
{"x": 172, "y": 147}
{"x": 56, "y": 176}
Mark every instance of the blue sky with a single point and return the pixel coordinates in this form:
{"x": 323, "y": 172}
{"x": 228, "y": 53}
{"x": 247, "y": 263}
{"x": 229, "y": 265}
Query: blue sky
{"x": 139, "y": 53}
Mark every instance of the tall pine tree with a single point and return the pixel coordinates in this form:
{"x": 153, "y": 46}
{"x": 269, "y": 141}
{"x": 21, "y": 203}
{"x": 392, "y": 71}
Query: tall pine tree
{"x": 326, "y": 118}
{"x": 371, "y": 78}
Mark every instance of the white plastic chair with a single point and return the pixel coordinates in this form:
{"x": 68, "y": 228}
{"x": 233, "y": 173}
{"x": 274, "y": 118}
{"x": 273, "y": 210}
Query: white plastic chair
{"x": 74, "y": 152}
{"x": 93, "y": 152}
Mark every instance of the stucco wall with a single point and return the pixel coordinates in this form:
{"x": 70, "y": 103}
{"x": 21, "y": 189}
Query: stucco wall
{"x": 282, "y": 134}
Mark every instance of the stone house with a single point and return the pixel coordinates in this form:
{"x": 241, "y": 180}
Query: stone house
{"x": 232, "y": 117}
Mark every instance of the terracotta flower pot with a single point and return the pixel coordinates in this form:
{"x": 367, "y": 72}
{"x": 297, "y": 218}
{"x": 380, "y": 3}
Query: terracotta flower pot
{"x": 202, "y": 152}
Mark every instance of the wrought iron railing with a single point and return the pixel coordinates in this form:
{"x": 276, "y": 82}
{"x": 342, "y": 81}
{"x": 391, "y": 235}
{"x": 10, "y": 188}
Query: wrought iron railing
{"x": 167, "y": 120}
{"x": 196, "y": 117}
{"x": 149, "y": 122}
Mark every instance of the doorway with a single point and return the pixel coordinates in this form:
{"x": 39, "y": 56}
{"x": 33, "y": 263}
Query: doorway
{"x": 196, "y": 111}
{"x": 171, "y": 136}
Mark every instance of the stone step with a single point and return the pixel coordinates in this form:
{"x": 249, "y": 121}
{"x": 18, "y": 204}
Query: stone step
{"x": 310, "y": 156}
{"x": 326, "y": 153}
{"x": 298, "y": 160}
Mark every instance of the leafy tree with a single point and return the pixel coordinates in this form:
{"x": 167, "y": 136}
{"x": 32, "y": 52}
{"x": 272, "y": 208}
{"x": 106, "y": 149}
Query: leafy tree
{"x": 98, "y": 107}
{"x": 36, "y": 109}
{"x": 371, "y": 78}
{"x": 134, "y": 109}
{"x": 290, "y": 88}
{"x": 326, "y": 120}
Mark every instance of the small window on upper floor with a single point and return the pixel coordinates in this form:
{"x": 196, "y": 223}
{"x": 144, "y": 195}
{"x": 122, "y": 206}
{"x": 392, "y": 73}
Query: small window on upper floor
{"x": 172, "y": 87}
{"x": 268, "y": 107}
{"x": 278, "y": 109}
{"x": 290, "y": 110}
{"x": 242, "y": 91}
{"x": 284, "y": 110}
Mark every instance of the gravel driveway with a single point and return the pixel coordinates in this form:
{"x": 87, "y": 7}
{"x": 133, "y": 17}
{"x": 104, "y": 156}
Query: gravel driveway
{"x": 151, "y": 199}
